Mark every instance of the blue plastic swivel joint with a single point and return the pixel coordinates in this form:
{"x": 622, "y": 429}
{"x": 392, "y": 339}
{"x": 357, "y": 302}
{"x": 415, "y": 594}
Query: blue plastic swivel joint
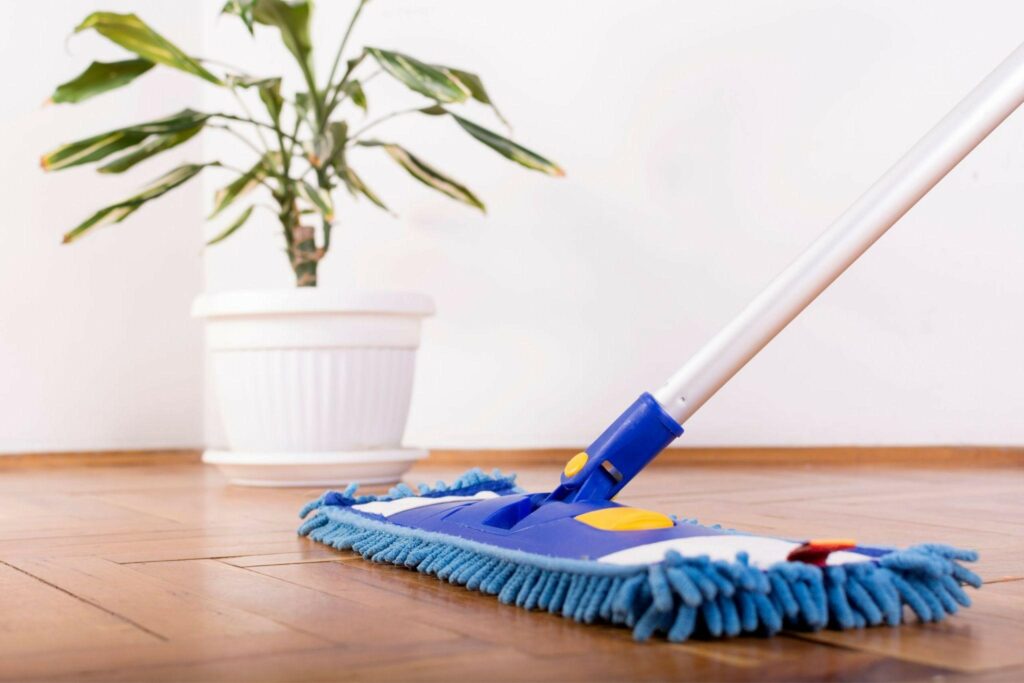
{"x": 618, "y": 455}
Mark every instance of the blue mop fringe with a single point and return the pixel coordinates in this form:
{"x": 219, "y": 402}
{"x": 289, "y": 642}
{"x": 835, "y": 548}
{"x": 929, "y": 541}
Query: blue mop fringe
{"x": 679, "y": 597}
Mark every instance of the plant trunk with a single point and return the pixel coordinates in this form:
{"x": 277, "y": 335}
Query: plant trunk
{"x": 304, "y": 255}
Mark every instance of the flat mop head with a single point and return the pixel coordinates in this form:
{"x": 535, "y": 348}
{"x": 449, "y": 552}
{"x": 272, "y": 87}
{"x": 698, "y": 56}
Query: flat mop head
{"x": 597, "y": 561}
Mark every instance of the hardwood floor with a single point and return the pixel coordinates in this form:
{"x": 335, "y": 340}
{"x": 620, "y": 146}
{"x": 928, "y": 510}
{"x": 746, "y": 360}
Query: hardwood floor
{"x": 159, "y": 572}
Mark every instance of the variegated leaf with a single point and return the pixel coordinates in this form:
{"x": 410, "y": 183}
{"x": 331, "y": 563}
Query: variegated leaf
{"x": 232, "y": 227}
{"x": 427, "y": 174}
{"x": 115, "y": 213}
{"x": 319, "y": 198}
{"x": 509, "y": 149}
{"x": 99, "y": 78}
{"x": 241, "y": 185}
{"x": 420, "y": 77}
{"x": 103, "y": 145}
{"x": 133, "y": 34}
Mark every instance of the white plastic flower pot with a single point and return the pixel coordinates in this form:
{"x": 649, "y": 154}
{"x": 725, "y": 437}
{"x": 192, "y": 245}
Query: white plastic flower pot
{"x": 313, "y": 385}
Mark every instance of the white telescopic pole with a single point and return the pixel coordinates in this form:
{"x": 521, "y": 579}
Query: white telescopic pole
{"x": 871, "y": 215}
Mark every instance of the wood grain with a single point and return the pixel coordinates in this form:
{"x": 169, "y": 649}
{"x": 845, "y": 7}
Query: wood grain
{"x": 154, "y": 570}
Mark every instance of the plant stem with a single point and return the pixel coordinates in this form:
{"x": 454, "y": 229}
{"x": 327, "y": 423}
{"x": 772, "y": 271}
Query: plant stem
{"x": 245, "y": 108}
{"x": 344, "y": 43}
{"x": 243, "y": 172}
{"x": 237, "y": 69}
{"x": 382, "y": 119}
{"x": 324, "y": 182}
{"x": 241, "y": 137}
{"x": 336, "y": 100}
{"x": 307, "y": 75}
{"x": 254, "y": 122}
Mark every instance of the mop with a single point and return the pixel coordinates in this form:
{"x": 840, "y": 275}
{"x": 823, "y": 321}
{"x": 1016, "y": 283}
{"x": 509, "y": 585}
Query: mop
{"x": 574, "y": 551}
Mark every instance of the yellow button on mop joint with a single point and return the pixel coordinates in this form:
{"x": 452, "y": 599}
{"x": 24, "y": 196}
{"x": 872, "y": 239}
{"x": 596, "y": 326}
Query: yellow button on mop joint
{"x": 575, "y": 464}
{"x": 625, "y": 519}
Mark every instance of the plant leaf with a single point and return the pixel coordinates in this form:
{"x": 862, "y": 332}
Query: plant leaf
{"x": 270, "y": 95}
{"x": 235, "y": 225}
{"x": 152, "y": 147}
{"x": 292, "y": 19}
{"x": 241, "y": 185}
{"x": 475, "y": 86}
{"x": 434, "y": 110}
{"x": 103, "y": 145}
{"x": 338, "y": 131}
{"x": 318, "y": 197}
{"x": 133, "y": 34}
{"x": 115, "y": 213}
{"x": 243, "y": 9}
{"x": 471, "y": 81}
{"x": 354, "y": 89}
{"x": 356, "y": 186}
{"x": 303, "y": 105}
{"x": 427, "y": 174}
{"x": 99, "y": 78}
{"x": 509, "y": 149}
{"x": 268, "y": 89}
{"x": 422, "y": 78}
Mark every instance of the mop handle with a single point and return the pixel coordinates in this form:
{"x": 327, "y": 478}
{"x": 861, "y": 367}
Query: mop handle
{"x": 847, "y": 238}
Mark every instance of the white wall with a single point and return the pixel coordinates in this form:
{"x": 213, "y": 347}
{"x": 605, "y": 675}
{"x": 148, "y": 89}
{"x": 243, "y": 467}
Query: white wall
{"x": 706, "y": 143}
{"x": 96, "y": 347}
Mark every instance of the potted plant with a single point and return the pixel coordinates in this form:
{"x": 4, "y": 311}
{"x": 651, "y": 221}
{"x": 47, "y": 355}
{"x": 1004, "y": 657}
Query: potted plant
{"x": 313, "y": 385}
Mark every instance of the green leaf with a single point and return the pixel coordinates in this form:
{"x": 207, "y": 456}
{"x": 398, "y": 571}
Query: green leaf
{"x": 303, "y": 105}
{"x": 269, "y": 90}
{"x": 99, "y": 78}
{"x": 509, "y": 149}
{"x": 241, "y": 185}
{"x": 356, "y": 186}
{"x": 270, "y": 95}
{"x": 427, "y": 174}
{"x": 103, "y": 145}
{"x": 90, "y": 149}
{"x": 292, "y": 19}
{"x": 475, "y": 86}
{"x": 115, "y": 213}
{"x": 338, "y": 135}
{"x": 133, "y": 34}
{"x": 243, "y": 9}
{"x": 422, "y": 78}
{"x": 472, "y": 82}
{"x": 318, "y": 197}
{"x": 434, "y": 110}
{"x": 152, "y": 147}
{"x": 235, "y": 225}
{"x": 328, "y": 148}
{"x": 354, "y": 90}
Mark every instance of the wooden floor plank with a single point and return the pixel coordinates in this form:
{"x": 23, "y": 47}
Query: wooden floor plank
{"x": 139, "y": 661}
{"x": 988, "y": 636}
{"x": 166, "y": 610}
{"x": 35, "y": 615}
{"x": 332, "y": 617}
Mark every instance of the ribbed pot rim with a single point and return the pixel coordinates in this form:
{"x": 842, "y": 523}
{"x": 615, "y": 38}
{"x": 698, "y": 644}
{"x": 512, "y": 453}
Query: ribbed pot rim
{"x": 310, "y": 300}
